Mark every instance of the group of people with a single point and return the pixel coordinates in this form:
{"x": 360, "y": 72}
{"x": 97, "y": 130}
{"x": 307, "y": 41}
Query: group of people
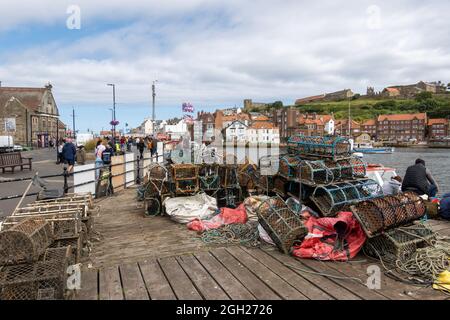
{"x": 68, "y": 154}
{"x": 417, "y": 179}
{"x": 149, "y": 142}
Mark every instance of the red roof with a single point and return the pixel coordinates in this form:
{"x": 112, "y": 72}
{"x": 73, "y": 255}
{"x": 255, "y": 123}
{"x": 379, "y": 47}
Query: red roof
{"x": 370, "y": 122}
{"x": 402, "y": 117}
{"x": 437, "y": 121}
{"x": 393, "y": 90}
{"x": 262, "y": 125}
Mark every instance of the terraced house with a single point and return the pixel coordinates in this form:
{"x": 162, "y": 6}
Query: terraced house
{"x": 402, "y": 127}
{"x": 438, "y": 128}
{"x": 35, "y": 112}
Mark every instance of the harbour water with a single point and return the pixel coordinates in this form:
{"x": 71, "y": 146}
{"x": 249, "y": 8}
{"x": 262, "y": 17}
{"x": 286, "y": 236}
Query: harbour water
{"x": 437, "y": 161}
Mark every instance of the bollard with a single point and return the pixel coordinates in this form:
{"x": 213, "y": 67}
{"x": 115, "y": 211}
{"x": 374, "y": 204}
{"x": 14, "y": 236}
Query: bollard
{"x": 66, "y": 185}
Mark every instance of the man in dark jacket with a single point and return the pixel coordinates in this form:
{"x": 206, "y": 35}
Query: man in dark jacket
{"x": 68, "y": 152}
{"x": 419, "y": 179}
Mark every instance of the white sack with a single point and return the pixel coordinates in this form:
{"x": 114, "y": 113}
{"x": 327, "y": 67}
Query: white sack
{"x": 185, "y": 209}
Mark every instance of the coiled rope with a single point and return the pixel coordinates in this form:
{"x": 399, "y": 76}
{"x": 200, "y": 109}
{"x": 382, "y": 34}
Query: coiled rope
{"x": 242, "y": 234}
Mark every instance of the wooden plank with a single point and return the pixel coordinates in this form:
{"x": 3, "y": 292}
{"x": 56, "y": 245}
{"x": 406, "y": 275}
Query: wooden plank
{"x": 157, "y": 285}
{"x": 132, "y": 282}
{"x": 181, "y": 284}
{"x": 89, "y": 285}
{"x": 117, "y": 169}
{"x": 275, "y": 282}
{"x": 208, "y": 287}
{"x": 388, "y": 287}
{"x": 109, "y": 284}
{"x": 308, "y": 289}
{"x": 234, "y": 289}
{"x": 358, "y": 288}
{"x": 248, "y": 279}
{"x": 334, "y": 290}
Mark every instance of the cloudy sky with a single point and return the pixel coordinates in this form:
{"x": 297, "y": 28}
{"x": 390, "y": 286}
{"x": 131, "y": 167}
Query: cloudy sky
{"x": 215, "y": 53}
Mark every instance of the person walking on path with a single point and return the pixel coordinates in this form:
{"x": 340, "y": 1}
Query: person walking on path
{"x": 99, "y": 149}
{"x": 60, "y": 148}
{"x": 141, "y": 146}
{"x": 69, "y": 152}
{"x": 419, "y": 180}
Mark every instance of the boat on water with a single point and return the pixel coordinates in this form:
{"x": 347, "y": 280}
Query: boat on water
{"x": 369, "y": 148}
{"x": 380, "y": 173}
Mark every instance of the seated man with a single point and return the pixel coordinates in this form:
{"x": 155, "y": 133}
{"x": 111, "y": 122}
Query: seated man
{"x": 419, "y": 179}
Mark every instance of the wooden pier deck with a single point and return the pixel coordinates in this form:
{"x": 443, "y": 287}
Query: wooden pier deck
{"x": 142, "y": 258}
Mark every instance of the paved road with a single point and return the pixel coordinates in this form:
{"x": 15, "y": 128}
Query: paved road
{"x": 44, "y": 162}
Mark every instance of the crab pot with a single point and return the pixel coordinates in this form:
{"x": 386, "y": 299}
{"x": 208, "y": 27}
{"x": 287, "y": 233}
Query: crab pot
{"x": 229, "y": 177}
{"x": 316, "y": 146}
{"x": 335, "y": 197}
{"x": 284, "y": 227}
{"x": 264, "y": 183}
{"x": 42, "y": 280}
{"x": 280, "y": 185}
{"x": 248, "y": 177}
{"x": 380, "y": 214}
{"x": 398, "y": 244}
{"x": 229, "y": 197}
{"x": 157, "y": 172}
{"x": 209, "y": 178}
{"x": 152, "y": 206}
{"x": 347, "y": 169}
{"x": 288, "y": 166}
{"x": 315, "y": 173}
{"x": 25, "y": 241}
{"x": 76, "y": 247}
{"x": 185, "y": 178}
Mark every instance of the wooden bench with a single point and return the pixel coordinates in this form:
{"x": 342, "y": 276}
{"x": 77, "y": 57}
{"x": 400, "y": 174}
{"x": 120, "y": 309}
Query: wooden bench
{"x": 13, "y": 160}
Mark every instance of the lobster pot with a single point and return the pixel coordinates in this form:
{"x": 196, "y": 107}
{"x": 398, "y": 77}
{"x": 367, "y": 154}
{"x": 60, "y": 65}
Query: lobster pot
{"x": 336, "y": 197}
{"x": 248, "y": 176}
{"x": 25, "y": 241}
{"x": 315, "y": 146}
{"x": 185, "y": 178}
{"x": 157, "y": 172}
{"x": 347, "y": 169}
{"x": 280, "y": 185}
{"x": 229, "y": 177}
{"x": 209, "y": 178}
{"x": 398, "y": 244}
{"x": 42, "y": 280}
{"x": 284, "y": 227}
{"x": 264, "y": 184}
{"x": 289, "y": 166}
{"x": 380, "y": 214}
{"x": 229, "y": 197}
{"x": 75, "y": 246}
{"x": 315, "y": 173}
{"x": 152, "y": 206}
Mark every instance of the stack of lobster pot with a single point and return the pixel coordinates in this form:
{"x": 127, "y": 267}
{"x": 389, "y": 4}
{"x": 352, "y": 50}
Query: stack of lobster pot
{"x": 155, "y": 189}
{"x": 29, "y": 268}
{"x": 389, "y": 225}
{"x": 230, "y": 192}
{"x": 323, "y": 168}
{"x": 70, "y": 219}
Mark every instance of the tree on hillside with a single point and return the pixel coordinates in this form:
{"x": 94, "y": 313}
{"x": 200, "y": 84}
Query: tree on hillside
{"x": 277, "y": 105}
{"x": 423, "y": 96}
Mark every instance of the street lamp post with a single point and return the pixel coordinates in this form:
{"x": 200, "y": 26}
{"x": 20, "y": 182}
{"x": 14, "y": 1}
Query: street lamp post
{"x": 153, "y": 106}
{"x": 114, "y": 111}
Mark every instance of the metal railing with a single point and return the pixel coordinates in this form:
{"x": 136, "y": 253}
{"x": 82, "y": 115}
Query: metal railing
{"x": 138, "y": 169}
